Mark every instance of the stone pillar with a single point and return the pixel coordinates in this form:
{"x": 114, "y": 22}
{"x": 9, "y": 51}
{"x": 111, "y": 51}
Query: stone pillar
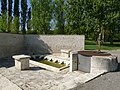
{"x": 22, "y": 61}
{"x": 73, "y": 61}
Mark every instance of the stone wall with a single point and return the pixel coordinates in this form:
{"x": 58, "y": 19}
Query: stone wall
{"x": 53, "y": 43}
{"x": 10, "y": 44}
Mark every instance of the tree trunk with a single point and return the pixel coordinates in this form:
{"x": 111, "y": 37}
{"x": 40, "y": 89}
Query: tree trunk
{"x": 111, "y": 39}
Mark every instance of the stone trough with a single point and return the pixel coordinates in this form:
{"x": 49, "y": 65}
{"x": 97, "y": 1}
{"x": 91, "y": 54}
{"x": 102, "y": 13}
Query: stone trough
{"x": 91, "y": 61}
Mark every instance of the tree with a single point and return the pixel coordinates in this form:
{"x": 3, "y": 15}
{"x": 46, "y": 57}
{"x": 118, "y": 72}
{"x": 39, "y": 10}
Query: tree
{"x": 91, "y": 17}
{"x": 59, "y": 15}
{"x": 29, "y": 25}
{"x": 9, "y": 15}
{"x": 75, "y": 17}
{"x": 0, "y": 22}
{"x": 107, "y": 14}
{"x": 16, "y": 16}
{"x": 41, "y": 16}
{"x": 4, "y": 15}
{"x": 23, "y": 14}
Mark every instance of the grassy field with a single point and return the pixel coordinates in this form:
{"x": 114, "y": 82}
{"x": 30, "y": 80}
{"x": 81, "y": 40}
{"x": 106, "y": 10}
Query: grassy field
{"x": 92, "y": 45}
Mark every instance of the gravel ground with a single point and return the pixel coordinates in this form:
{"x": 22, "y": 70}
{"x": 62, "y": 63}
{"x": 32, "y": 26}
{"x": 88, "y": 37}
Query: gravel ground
{"x": 109, "y": 81}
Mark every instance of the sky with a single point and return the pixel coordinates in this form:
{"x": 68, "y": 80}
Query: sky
{"x": 28, "y": 2}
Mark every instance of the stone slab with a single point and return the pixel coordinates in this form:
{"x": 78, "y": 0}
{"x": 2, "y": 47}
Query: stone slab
{"x": 5, "y": 84}
{"x": 20, "y": 57}
{"x": 65, "y": 51}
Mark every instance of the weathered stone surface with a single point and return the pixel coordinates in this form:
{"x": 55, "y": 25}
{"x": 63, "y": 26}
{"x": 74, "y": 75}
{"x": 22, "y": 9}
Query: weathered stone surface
{"x": 53, "y": 43}
{"x": 5, "y": 84}
{"x": 40, "y": 79}
{"x": 11, "y": 44}
{"x": 73, "y": 61}
{"x": 106, "y": 63}
{"x": 84, "y": 63}
{"x": 19, "y": 57}
{"x": 97, "y": 63}
{"x": 22, "y": 61}
{"x": 65, "y": 52}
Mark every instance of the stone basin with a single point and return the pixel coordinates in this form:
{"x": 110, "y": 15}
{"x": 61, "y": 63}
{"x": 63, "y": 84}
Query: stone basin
{"x": 90, "y": 61}
{"x": 94, "y": 53}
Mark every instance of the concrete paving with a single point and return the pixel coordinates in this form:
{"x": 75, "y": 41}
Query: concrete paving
{"x": 40, "y": 79}
{"x": 5, "y": 84}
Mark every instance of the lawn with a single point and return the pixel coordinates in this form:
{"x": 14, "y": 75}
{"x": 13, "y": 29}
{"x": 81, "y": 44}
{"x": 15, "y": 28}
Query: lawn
{"x": 92, "y": 45}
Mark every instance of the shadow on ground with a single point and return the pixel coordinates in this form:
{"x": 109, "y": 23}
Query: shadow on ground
{"x": 118, "y": 67}
{"x": 36, "y": 68}
{"x": 7, "y": 62}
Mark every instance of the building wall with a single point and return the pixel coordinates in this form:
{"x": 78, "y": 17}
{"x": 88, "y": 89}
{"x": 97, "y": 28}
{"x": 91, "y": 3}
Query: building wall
{"x": 10, "y": 44}
{"x": 53, "y": 43}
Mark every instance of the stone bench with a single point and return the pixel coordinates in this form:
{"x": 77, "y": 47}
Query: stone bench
{"x": 21, "y": 61}
{"x": 65, "y": 52}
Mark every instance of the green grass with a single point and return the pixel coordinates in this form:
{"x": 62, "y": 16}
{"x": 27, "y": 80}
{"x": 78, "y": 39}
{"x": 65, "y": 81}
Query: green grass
{"x": 54, "y": 64}
{"x": 92, "y": 45}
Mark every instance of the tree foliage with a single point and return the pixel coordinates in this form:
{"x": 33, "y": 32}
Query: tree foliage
{"x": 59, "y": 14}
{"x": 88, "y": 17}
{"x": 105, "y": 15}
{"x": 24, "y": 16}
{"x": 4, "y": 15}
{"x": 41, "y": 16}
{"x": 16, "y": 16}
{"x": 0, "y": 20}
{"x": 29, "y": 23}
{"x": 9, "y": 15}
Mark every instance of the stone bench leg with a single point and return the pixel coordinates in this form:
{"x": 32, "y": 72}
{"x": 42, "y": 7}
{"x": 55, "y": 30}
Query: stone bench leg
{"x": 23, "y": 64}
